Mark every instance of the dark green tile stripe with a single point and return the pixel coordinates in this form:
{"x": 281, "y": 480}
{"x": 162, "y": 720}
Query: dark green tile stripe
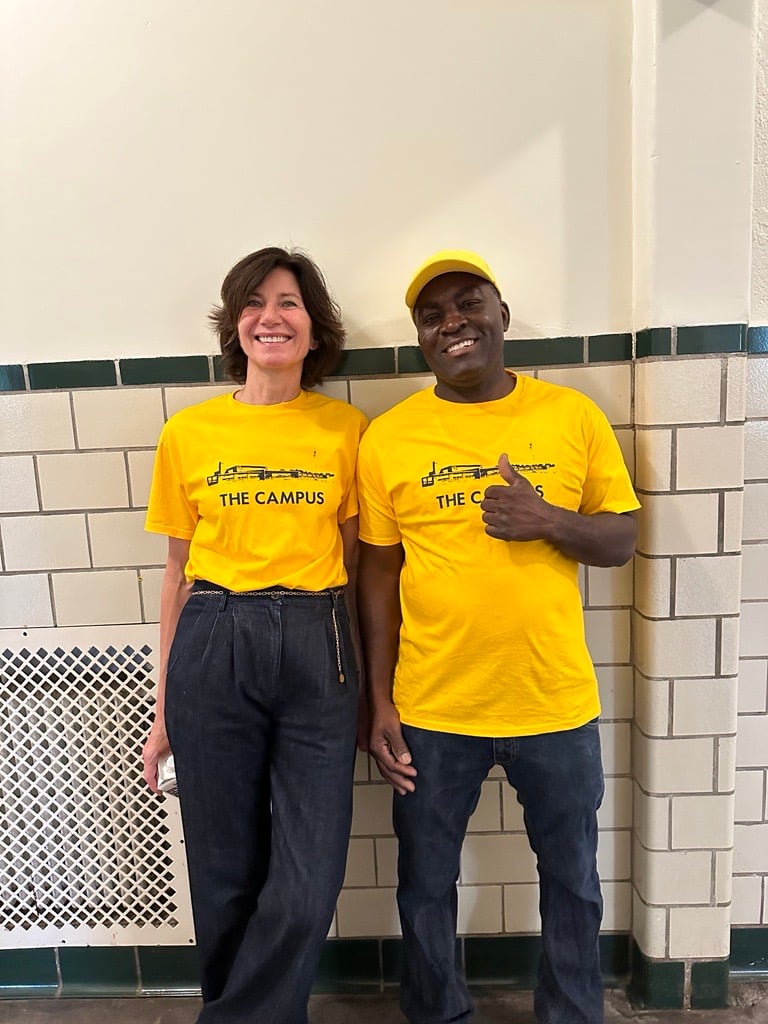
{"x": 711, "y": 338}
{"x": 757, "y": 339}
{"x": 709, "y": 985}
{"x": 411, "y": 360}
{"x": 96, "y": 373}
{"x": 361, "y": 965}
{"x": 609, "y": 348}
{"x": 12, "y": 378}
{"x": 749, "y": 951}
{"x": 166, "y": 370}
{"x": 653, "y": 984}
{"x": 26, "y": 973}
{"x": 654, "y": 341}
{"x": 169, "y": 969}
{"x": 98, "y": 970}
{"x": 368, "y": 362}
{"x": 544, "y": 352}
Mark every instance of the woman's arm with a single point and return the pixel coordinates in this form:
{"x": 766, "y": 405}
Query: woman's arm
{"x": 173, "y": 597}
{"x": 348, "y": 530}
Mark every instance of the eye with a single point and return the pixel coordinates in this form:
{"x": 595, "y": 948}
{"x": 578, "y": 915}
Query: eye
{"x": 470, "y": 303}
{"x": 253, "y": 303}
{"x": 429, "y": 319}
{"x": 289, "y": 304}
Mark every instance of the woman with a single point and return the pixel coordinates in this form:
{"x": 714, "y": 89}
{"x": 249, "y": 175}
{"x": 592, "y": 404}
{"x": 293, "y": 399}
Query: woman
{"x": 258, "y": 675}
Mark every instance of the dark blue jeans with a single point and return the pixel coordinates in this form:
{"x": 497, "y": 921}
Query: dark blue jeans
{"x": 261, "y": 711}
{"x": 559, "y": 782}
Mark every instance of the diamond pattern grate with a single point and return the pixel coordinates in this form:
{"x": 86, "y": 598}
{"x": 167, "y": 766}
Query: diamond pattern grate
{"x": 85, "y": 845}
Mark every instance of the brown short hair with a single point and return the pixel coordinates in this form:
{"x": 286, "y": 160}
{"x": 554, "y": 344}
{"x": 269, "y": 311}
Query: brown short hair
{"x": 240, "y": 284}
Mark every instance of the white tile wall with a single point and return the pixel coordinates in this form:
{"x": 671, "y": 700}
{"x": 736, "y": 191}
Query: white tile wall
{"x": 96, "y": 598}
{"x": 609, "y": 386}
{"x": 699, "y": 932}
{"x": 652, "y": 820}
{"x": 755, "y": 511}
{"x": 36, "y": 423}
{"x": 675, "y": 647}
{"x": 18, "y": 486}
{"x": 616, "y": 696}
{"x": 607, "y": 633}
{"x": 654, "y": 459}
{"x": 736, "y": 393}
{"x": 674, "y": 765}
{"x": 653, "y": 586}
{"x": 119, "y": 538}
{"x": 702, "y": 822}
{"x": 45, "y": 542}
{"x": 756, "y": 404}
{"x": 140, "y": 465}
{"x": 752, "y": 743}
{"x": 372, "y": 810}
{"x": 753, "y": 685}
{"x": 756, "y": 450}
{"x": 678, "y": 524}
{"x": 650, "y": 926}
{"x": 750, "y": 796}
{"x": 755, "y": 572}
{"x": 499, "y": 858}
{"x": 362, "y": 912}
{"x": 25, "y": 601}
{"x": 668, "y": 878}
{"x": 521, "y": 908}
{"x": 708, "y": 586}
{"x": 683, "y": 391}
{"x": 610, "y": 588}
{"x": 747, "y": 892}
{"x": 121, "y": 418}
{"x": 709, "y": 457}
{"x": 376, "y": 396}
{"x": 754, "y": 629}
{"x": 733, "y": 514}
{"x": 704, "y": 707}
{"x": 652, "y": 705}
{"x": 83, "y": 480}
{"x": 480, "y": 909}
{"x": 182, "y": 397}
{"x": 749, "y": 852}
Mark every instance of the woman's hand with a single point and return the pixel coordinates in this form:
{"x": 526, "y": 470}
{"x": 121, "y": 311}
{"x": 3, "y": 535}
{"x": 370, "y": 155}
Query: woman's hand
{"x": 155, "y": 749}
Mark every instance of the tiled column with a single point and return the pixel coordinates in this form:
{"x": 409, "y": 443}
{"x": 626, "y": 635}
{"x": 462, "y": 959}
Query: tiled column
{"x": 692, "y": 159}
{"x": 690, "y": 443}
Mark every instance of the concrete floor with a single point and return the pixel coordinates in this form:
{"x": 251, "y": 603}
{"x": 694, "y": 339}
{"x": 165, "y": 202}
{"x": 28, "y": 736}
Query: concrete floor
{"x": 750, "y": 1006}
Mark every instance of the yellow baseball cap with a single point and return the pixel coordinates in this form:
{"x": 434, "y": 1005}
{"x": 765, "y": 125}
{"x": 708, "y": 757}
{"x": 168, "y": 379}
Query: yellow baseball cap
{"x": 447, "y": 261}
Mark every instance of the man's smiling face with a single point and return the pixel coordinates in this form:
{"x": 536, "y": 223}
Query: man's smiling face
{"x": 461, "y": 320}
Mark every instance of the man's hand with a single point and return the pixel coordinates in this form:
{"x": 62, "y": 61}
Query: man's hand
{"x": 514, "y": 511}
{"x": 390, "y": 751}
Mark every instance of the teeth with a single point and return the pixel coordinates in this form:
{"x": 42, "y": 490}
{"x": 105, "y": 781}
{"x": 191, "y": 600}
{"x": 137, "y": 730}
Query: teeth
{"x": 461, "y": 344}
{"x": 272, "y": 339}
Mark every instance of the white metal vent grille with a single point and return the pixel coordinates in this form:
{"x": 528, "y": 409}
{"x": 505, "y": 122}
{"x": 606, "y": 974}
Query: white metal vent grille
{"x": 87, "y": 853}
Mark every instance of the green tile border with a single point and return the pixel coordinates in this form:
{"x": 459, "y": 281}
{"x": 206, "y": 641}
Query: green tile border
{"x": 709, "y": 339}
{"x": 28, "y": 973}
{"x": 544, "y": 352}
{"x": 166, "y": 370}
{"x": 366, "y": 965}
{"x": 12, "y": 378}
{"x": 709, "y": 985}
{"x": 706, "y": 339}
{"x": 654, "y": 984}
{"x": 98, "y": 970}
{"x": 168, "y": 969}
{"x": 93, "y": 373}
{"x": 653, "y": 341}
{"x": 757, "y": 339}
{"x": 609, "y": 348}
{"x": 749, "y": 952}
{"x": 365, "y": 362}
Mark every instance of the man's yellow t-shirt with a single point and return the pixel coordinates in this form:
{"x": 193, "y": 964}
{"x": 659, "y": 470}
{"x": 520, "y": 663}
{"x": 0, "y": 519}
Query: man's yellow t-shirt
{"x": 492, "y": 638}
{"x": 259, "y": 490}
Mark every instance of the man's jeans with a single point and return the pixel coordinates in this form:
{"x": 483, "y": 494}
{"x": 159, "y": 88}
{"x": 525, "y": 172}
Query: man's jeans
{"x": 559, "y": 782}
{"x": 261, "y": 710}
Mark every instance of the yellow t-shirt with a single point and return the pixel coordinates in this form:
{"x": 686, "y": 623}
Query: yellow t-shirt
{"x": 259, "y": 490}
{"x": 492, "y": 639}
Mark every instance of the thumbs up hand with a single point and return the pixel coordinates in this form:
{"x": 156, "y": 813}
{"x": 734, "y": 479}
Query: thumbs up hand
{"x": 513, "y": 510}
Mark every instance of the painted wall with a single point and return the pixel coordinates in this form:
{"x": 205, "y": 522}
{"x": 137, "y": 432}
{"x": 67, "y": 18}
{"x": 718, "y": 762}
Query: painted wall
{"x": 759, "y": 314}
{"x": 149, "y": 145}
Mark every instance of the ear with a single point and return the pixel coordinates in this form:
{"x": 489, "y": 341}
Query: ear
{"x": 313, "y": 342}
{"x": 505, "y": 317}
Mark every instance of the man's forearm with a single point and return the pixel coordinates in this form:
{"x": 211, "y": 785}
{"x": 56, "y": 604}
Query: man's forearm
{"x": 604, "y": 539}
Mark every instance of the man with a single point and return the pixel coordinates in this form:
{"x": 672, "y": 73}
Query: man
{"x": 479, "y": 499}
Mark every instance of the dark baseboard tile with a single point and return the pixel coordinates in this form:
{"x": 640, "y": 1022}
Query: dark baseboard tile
{"x": 757, "y": 340}
{"x": 404, "y": 359}
{"x": 86, "y": 373}
{"x": 367, "y": 965}
{"x": 708, "y": 339}
{"x": 544, "y": 352}
{"x": 166, "y": 370}
{"x": 12, "y": 378}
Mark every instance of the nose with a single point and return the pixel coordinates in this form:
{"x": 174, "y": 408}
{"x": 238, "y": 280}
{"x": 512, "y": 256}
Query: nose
{"x": 453, "y": 320}
{"x": 270, "y": 313}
